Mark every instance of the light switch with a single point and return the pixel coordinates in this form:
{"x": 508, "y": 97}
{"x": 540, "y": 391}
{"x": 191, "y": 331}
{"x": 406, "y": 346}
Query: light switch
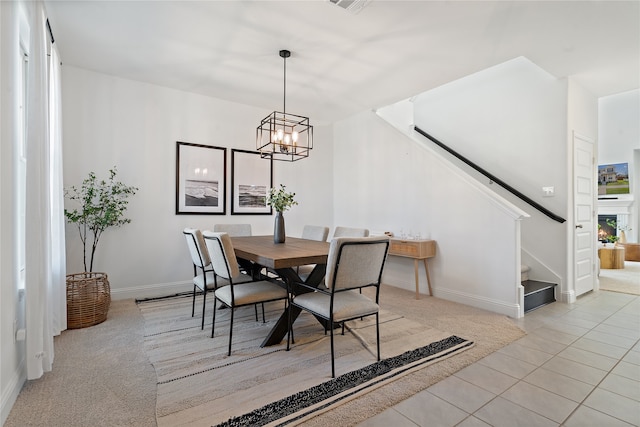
{"x": 548, "y": 191}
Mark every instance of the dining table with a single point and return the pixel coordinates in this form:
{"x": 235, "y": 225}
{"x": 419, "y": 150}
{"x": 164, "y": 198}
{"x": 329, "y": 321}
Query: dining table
{"x": 283, "y": 258}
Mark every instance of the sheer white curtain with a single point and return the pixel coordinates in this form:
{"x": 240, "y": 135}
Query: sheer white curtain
{"x": 42, "y": 278}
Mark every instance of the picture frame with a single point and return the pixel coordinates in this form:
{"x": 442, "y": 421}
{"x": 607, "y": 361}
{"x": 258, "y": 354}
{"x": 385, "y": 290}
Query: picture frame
{"x": 201, "y": 187}
{"x": 251, "y": 179}
{"x": 613, "y": 179}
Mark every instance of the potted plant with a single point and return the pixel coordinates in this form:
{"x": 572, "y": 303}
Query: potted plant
{"x": 280, "y": 200}
{"x": 101, "y": 205}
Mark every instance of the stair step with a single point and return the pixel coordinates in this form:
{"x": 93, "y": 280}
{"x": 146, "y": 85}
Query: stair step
{"x": 537, "y": 294}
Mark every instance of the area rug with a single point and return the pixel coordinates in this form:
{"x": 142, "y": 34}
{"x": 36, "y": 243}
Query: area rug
{"x": 625, "y": 280}
{"x": 198, "y": 384}
{"x": 309, "y": 403}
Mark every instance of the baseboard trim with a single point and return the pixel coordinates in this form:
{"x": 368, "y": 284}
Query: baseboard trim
{"x": 512, "y": 310}
{"x": 152, "y": 290}
{"x": 10, "y": 393}
{"x": 568, "y": 297}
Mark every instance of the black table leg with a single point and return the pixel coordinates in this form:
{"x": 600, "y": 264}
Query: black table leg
{"x": 281, "y": 328}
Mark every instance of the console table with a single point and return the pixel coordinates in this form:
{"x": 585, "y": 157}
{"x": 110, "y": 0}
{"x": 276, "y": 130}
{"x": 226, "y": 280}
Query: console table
{"x": 418, "y": 250}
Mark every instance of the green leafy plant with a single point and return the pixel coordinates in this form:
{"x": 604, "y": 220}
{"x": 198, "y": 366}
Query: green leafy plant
{"x": 611, "y": 238}
{"x": 280, "y": 200}
{"x": 102, "y": 205}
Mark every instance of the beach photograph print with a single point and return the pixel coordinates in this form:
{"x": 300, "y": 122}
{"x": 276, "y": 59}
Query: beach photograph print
{"x": 251, "y": 179}
{"x": 252, "y": 196}
{"x": 201, "y": 193}
{"x": 200, "y": 179}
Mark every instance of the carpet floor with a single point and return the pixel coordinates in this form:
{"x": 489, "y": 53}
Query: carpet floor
{"x": 625, "y": 280}
{"x": 103, "y": 375}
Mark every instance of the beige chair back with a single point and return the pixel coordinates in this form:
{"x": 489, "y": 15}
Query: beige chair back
{"x": 355, "y": 262}
{"x": 223, "y": 258}
{"x": 350, "y": 232}
{"x": 233, "y": 230}
{"x": 197, "y": 247}
{"x": 315, "y": 232}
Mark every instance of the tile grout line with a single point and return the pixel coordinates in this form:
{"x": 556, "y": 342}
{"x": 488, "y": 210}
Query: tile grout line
{"x": 580, "y": 404}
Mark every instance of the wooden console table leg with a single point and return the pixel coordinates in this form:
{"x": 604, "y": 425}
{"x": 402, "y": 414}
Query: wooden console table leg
{"x": 415, "y": 268}
{"x": 426, "y": 270}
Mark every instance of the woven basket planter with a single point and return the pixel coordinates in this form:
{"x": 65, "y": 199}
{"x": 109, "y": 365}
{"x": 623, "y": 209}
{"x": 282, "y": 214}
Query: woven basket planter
{"x": 88, "y": 299}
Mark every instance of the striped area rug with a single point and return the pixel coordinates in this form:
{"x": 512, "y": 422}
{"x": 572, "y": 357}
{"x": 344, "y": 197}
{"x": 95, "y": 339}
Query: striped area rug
{"x": 199, "y": 385}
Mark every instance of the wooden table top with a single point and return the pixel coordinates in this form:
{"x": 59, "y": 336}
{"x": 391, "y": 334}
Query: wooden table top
{"x": 293, "y": 252}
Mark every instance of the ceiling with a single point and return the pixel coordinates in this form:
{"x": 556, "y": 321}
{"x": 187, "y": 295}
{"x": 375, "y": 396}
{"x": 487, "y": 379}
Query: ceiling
{"x": 344, "y": 62}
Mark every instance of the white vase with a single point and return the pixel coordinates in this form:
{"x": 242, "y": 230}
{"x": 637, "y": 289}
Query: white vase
{"x": 623, "y": 237}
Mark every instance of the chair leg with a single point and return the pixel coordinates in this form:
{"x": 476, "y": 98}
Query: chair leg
{"x": 342, "y": 328}
{"x": 255, "y": 308}
{"x": 333, "y": 368}
{"x": 213, "y": 323}
{"x": 290, "y": 329}
{"x": 263, "y": 320}
{"x": 204, "y": 306}
{"x": 378, "y": 335}
{"x": 230, "y": 331}
{"x": 193, "y": 304}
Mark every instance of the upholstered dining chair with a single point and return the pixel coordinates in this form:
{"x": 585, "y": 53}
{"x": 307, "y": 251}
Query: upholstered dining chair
{"x": 239, "y": 230}
{"x": 353, "y": 263}
{"x": 315, "y": 232}
{"x": 350, "y": 232}
{"x": 203, "y": 277}
{"x": 312, "y": 232}
{"x": 236, "y": 295}
{"x": 234, "y": 230}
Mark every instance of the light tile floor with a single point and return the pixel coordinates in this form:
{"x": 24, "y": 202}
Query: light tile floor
{"x": 578, "y": 366}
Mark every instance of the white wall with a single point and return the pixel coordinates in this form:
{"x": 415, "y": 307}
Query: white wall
{"x": 385, "y": 181}
{"x": 110, "y": 121}
{"x": 619, "y": 141}
{"x": 511, "y": 120}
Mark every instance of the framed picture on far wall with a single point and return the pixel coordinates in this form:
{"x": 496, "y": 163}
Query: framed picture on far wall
{"x": 251, "y": 179}
{"x": 613, "y": 179}
{"x": 200, "y": 179}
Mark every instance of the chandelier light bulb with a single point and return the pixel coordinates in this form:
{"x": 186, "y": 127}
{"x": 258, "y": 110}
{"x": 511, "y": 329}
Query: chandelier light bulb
{"x": 280, "y": 134}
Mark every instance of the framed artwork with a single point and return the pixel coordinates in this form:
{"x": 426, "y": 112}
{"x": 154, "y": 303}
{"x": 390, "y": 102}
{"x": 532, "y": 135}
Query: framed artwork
{"x": 200, "y": 179}
{"x": 251, "y": 179}
{"x": 613, "y": 179}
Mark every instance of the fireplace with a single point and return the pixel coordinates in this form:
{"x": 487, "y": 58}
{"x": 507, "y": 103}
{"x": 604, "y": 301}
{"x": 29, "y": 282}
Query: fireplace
{"x": 607, "y": 227}
{"x": 619, "y": 213}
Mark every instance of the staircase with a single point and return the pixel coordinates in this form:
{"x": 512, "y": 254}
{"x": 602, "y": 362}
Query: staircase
{"x": 536, "y": 293}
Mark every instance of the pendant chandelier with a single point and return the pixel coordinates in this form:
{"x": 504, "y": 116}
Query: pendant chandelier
{"x": 284, "y": 136}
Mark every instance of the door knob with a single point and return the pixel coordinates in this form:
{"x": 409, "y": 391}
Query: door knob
{"x": 579, "y": 226}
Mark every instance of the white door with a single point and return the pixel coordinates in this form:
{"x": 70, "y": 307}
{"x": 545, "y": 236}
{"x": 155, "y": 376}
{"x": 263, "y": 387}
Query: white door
{"x": 584, "y": 191}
